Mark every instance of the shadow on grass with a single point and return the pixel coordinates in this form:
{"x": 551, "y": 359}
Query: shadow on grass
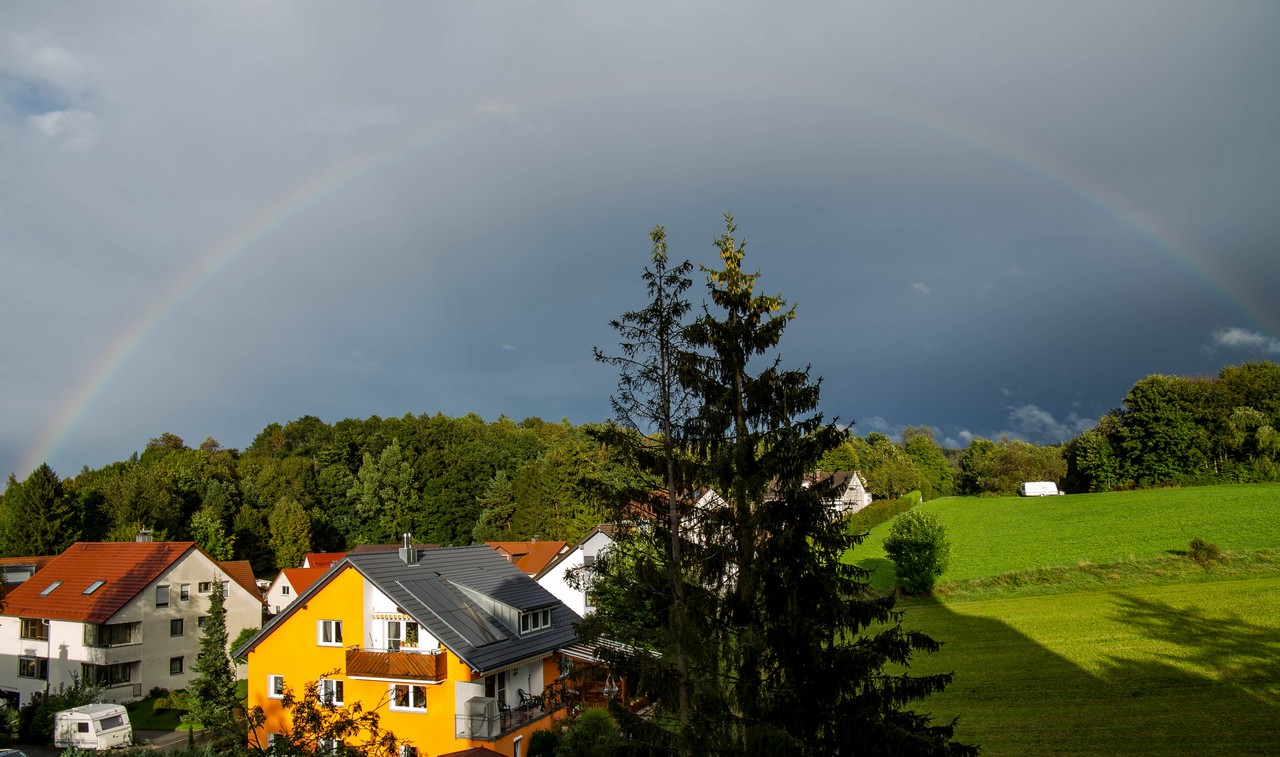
{"x": 1014, "y": 696}
{"x": 1243, "y": 656}
{"x": 883, "y": 575}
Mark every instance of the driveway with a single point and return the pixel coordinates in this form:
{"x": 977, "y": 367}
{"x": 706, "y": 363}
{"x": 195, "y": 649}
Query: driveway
{"x": 159, "y": 740}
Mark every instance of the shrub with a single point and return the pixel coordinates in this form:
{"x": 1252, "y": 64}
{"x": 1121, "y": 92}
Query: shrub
{"x": 1204, "y": 553}
{"x": 919, "y": 548}
{"x": 593, "y": 734}
{"x": 35, "y": 719}
{"x": 543, "y": 744}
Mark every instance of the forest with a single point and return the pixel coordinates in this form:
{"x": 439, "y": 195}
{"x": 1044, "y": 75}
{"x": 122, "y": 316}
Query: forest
{"x": 308, "y": 485}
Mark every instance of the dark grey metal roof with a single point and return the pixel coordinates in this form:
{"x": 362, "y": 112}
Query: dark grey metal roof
{"x": 429, "y": 592}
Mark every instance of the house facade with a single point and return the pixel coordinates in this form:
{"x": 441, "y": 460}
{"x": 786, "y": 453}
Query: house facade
{"x": 564, "y": 577}
{"x": 451, "y": 646}
{"x": 126, "y": 615}
{"x": 849, "y": 490}
{"x": 289, "y": 583}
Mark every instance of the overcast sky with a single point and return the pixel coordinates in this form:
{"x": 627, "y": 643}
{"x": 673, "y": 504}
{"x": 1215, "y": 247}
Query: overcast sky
{"x": 993, "y": 217}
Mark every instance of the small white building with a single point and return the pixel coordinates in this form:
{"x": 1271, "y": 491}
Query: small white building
{"x": 289, "y": 584}
{"x": 849, "y": 490}
{"x": 126, "y": 615}
{"x": 555, "y": 576}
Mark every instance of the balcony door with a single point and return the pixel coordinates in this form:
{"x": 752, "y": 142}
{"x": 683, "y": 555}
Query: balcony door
{"x": 496, "y": 686}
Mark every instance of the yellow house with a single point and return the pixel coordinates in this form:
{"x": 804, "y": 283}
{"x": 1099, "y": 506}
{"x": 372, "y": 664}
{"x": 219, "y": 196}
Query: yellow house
{"x": 452, "y": 646}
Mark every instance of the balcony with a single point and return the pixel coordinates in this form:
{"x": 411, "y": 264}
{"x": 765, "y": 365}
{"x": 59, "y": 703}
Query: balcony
{"x": 409, "y": 665}
{"x": 486, "y": 721}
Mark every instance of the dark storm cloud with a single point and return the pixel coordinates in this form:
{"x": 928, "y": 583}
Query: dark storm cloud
{"x": 994, "y": 217}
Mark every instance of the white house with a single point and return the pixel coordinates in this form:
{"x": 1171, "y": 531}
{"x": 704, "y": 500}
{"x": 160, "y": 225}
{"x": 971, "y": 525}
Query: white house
{"x": 289, "y": 584}
{"x": 123, "y": 614}
{"x": 555, "y": 577}
{"x": 849, "y": 487}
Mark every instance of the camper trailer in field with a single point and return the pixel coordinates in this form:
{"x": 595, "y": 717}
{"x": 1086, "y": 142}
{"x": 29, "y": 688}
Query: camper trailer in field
{"x": 93, "y": 726}
{"x": 1038, "y": 489}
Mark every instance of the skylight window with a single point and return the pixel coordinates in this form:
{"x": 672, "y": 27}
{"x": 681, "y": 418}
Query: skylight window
{"x": 93, "y": 587}
{"x": 50, "y": 589}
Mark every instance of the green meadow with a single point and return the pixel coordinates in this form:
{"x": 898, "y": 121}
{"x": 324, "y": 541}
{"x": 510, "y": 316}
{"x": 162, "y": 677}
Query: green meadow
{"x": 1075, "y": 626}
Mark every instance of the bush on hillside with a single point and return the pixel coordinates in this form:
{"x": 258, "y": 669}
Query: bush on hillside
{"x": 920, "y": 550}
{"x": 1204, "y": 553}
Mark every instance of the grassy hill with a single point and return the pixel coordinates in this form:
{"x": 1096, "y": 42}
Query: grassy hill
{"x": 994, "y": 535}
{"x": 1178, "y": 660}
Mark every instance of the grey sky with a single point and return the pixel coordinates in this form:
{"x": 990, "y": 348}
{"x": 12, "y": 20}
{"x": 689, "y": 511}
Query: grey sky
{"x": 994, "y": 217}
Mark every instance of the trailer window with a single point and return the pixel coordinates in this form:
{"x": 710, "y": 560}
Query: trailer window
{"x": 82, "y": 727}
{"x": 109, "y": 722}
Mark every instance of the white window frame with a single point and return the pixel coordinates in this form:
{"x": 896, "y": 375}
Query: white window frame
{"x": 410, "y": 687}
{"x": 184, "y": 592}
{"x": 284, "y": 589}
{"x": 535, "y": 621}
{"x": 330, "y": 628}
{"x": 39, "y": 666}
{"x": 331, "y": 691}
{"x": 272, "y": 680}
{"x": 162, "y": 589}
{"x": 204, "y": 587}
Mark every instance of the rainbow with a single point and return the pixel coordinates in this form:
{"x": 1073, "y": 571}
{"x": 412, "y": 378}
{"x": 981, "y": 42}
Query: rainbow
{"x": 330, "y": 180}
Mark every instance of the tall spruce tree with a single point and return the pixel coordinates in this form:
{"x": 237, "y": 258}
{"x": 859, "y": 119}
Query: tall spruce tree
{"x": 213, "y": 701}
{"x": 793, "y": 643}
{"x": 650, "y": 408}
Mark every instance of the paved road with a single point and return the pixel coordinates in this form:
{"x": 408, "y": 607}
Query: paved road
{"x": 160, "y": 740}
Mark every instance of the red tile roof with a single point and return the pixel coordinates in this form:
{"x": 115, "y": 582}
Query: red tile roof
{"x": 302, "y": 578}
{"x": 126, "y": 568}
{"x": 530, "y": 556}
{"x": 322, "y": 559}
{"x": 38, "y": 561}
{"x": 241, "y": 572}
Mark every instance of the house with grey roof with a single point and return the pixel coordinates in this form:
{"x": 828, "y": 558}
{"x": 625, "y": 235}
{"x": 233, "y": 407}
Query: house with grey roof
{"x": 457, "y": 643}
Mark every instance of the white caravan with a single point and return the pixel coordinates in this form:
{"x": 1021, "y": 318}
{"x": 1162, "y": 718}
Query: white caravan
{"x": 93, "y": 726}
{"x": 1038, "y": 489}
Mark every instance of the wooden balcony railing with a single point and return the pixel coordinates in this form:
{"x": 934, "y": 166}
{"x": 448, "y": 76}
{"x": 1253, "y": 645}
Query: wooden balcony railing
{"x": 430, "y": 666}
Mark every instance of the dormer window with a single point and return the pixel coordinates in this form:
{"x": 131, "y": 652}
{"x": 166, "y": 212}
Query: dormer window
{"x": 532, "y": 622}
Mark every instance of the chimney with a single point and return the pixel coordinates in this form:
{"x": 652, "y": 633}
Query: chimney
{"x": 144, "y": 535}
{"x": 408, "y": 553}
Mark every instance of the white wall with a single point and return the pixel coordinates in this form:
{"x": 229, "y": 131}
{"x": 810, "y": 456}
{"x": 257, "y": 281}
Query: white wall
{"x": 277, "y": 598}
{"x": 556, "y": 580}
{"x": 66, "y": 650}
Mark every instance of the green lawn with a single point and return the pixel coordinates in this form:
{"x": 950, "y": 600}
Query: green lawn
{"x": 1184, "y": 669}
{"x": 1122, "y": 647}
{"x": 145, "y": 717}
{"x": 993, "y": 535}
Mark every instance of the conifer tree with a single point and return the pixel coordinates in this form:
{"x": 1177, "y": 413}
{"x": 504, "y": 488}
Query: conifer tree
{"x": 38, "y": 518}
{"x": 650, "y": 408}
{"x": 792, "y": 642}
{"x": 212, "y": 692}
